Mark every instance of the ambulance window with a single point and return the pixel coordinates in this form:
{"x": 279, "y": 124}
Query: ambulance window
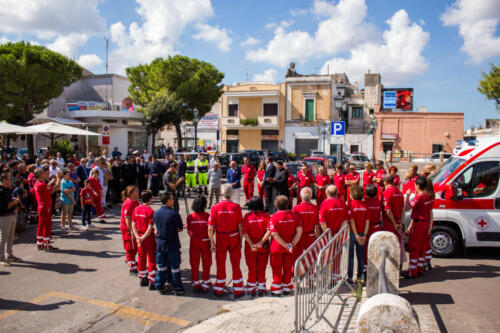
{"x": 465, "y": 181}
{"x": 486, "y": 176}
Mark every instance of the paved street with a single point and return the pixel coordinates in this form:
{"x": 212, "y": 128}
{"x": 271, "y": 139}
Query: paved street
{"x": 86, "y": 287}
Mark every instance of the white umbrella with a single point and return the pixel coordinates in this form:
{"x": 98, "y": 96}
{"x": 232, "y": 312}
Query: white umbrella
{"x": 55, "y": 128}
{"x": 6, "y": 128}
{"x": 52, "y": 129}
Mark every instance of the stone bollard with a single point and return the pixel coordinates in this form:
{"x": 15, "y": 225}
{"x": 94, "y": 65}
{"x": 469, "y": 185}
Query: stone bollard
{"x": 379, "y": 241}
{"x": 387, "y": 313}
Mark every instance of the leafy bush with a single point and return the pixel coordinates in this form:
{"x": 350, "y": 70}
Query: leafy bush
{"x": 292, "y": 156}
{"x": 250, "y": 122}
{"x": 64, "y": 147}
{"x": 302, "y": 156}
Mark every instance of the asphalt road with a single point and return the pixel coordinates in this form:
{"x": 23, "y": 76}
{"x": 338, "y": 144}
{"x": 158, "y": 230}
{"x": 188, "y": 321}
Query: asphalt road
{"x": 86, "y": 287}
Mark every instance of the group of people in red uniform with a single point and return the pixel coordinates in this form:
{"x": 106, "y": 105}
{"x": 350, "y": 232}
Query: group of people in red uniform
{"x": 281, "y": 238}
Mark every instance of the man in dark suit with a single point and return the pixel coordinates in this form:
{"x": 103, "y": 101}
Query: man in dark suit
{"x": 269, "y": 185}
{"x": 281, "y": 181}
{"x": 81, "y": 171}
{"x": 142, "y": 173}
{"x": 155, "y": 172}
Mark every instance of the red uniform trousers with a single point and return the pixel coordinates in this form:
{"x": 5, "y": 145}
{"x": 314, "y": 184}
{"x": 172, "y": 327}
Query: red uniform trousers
{"x": 200, "y": 248}
{"x": 373, "y": 229}
{"x": 281, "y": 264}
{"x": 428, "y": 249}
{"x": 147, "y": 248}
{"x": 290, "y": 202}
{"x": 261, "y": 191}
{"x": 228, "y": 242}
{"x": 417, "y": 247}
{"x": 130, "y": 247}
{"x": 44, "y": 226}
{"x": 98, "y": 205}
{"x": 320, "y": 197}
{"x": 248, "y": 189}
{"x": 257, "y": 263}
{"x": 307, "y": 238}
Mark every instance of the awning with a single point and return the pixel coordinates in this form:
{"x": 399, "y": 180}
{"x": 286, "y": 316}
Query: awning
{"x": 305, "y": 135}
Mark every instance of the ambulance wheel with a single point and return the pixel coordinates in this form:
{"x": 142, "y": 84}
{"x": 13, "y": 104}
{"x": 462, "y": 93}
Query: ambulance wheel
{"x": 444, "y": 241}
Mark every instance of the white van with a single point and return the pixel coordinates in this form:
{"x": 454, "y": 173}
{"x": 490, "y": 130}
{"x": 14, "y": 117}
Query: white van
{"x": 467, "y": 205}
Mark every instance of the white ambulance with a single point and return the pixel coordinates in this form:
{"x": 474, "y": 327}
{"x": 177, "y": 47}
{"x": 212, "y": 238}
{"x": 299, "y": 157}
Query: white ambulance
{"x": 467, "y": 205}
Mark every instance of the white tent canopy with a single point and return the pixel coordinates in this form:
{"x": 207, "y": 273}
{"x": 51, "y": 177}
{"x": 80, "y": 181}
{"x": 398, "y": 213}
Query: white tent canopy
{"x": 55, "y": 128}
{"x": 6, "y": 128}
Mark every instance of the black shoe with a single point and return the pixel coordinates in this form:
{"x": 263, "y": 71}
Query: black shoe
{"x": 238, "y": 296}
{"x": 286, "y": 293}
{"x": 152, "y": 286}
{"x": 427, "y": 266}
{"x": 133, "y": 272}
{"x": 206, "y": 192}
{"x": 51, "y": 248}
{"x": 102, "y": 221}
{"x": 196, "y": 290}
{"x": 163, "y": 291}
{"x": 179, "y": 292}
{"x": 252, "y": 294}
{"x": 218, "y": 295}
{"x": 40, "y": 247}
{"x": 407, "y": 275}
{"x": 262, "y": 293}
{"x": 144, "y": 282}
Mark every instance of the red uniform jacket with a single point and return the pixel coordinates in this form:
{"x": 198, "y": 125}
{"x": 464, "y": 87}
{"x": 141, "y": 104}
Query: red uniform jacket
{"x": 308, "y": 216}
{"x": 374, "y": 206}
{"x": 43, "y": 194}
{"x": 225, "y": 216}
{"x": 248, "y": 172}
{"x": 197, "y": 225}
{"x": 285, "y": 223}
{"x": 333, "y": 212}
{"x": 393, "y": 201}
{"x": 339, "y": 182}
{"x": 255, "y": 225}
{"x": 421, "y": 208}
{"x": 143, "y": 218}
{"x": 358, "y": 212}
{"x": 304, "y": 180}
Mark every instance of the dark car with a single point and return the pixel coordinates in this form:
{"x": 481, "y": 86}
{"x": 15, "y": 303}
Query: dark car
{"x": 259, "y": 153}
{"x": 280, "y": 154}
{"x": 224, "y": 164}
{"x": 253, "y": 157}
{"x": 293, "y": 168}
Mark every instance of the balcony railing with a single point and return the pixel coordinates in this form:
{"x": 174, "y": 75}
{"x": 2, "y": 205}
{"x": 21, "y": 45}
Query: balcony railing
{"x": 268, "y": 121}
{"x": 230, "y": 121}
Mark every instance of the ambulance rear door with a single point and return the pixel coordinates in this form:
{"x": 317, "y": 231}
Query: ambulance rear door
{"x": 478, "y": 211}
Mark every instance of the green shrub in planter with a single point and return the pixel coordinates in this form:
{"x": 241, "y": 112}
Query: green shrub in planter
{"x": 250, "y": 122}
{"x": 292, "y": 156}
{"x": 302, "y": 156}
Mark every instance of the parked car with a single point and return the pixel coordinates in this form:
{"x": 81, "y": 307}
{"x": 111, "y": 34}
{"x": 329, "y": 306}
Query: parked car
{"x": 317, "y": 153}
{"x": 256, "y": 152}
{"x": 434, "y": 158}
{"x": 21, "y": 152}
{"x": 252, "y": 156}
{"x": 293, "y": 168}
{"x": 333, "y": 160}
{"x": 224, "y": 164}
{"x": 359, "y": 160}
{"x": 280, "y": 154}
{"x": 42, "y": 152}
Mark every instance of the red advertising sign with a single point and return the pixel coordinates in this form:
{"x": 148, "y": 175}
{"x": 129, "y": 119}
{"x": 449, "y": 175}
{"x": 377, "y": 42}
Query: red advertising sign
{"x": 105, "y": 140}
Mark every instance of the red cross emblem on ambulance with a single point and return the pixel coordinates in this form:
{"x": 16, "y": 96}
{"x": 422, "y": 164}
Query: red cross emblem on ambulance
{"x": 482, "y": 222}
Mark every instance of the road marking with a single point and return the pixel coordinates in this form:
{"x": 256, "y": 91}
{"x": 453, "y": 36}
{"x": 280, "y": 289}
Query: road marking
{"x": 123, "y": 311}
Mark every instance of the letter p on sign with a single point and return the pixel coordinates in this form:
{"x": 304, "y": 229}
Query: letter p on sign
{"x": 338, "y": 128}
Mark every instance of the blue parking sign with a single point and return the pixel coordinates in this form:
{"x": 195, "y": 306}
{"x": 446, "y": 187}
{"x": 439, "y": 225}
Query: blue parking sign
{"x": 338, "y": 128}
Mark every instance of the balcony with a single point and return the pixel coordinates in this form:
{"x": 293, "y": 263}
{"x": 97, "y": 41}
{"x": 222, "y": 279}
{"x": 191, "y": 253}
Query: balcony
{"x": 231, "y": 121}
{"x": 268, "y": 122}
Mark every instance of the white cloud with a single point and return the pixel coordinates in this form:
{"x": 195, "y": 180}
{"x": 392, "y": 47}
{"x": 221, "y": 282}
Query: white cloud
{"x": 163, "y": 23}
{"x": 89, "y": 61}
{"x": 250, "y": 41}
{"x": 282, "y": 24}
{"x": 396, "y": 57}
{"x": 4, "y": 40}
{"x": 477, "y": 22}
{"x": 341, "y": 27}
{"x": 49, "y": 19}
{"x": 269, "y": 75}
{"x": 214, "y": 34}
{"x": 299, "y": 11}
{"x": 68, "y": 44}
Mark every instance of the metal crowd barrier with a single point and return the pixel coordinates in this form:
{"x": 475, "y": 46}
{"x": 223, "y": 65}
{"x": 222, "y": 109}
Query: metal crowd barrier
{"x": 304, "y": 281}
{"x": 319, "y": 273}
{"x": 331, "y": 271}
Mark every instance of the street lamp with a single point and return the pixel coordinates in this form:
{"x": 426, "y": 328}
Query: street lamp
{"x": 196, "y": 118}
{"x": 372, "y": 130}
{"x": 324, "y": 131}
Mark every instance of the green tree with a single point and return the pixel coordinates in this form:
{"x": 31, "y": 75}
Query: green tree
{"x": 196, "y": 84}
{"x": 489, "y": 85}
{"x": 30, "y": 76}
{"x": 163, "y": 109}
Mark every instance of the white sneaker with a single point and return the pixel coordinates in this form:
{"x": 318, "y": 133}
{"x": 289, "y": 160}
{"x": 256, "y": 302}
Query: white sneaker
{"x": 85, "y": 227}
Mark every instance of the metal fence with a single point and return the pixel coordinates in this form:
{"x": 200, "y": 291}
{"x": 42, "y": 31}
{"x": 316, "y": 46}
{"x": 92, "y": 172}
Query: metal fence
{"x": 304, "y": 280}
{"x": 319, "y": 273}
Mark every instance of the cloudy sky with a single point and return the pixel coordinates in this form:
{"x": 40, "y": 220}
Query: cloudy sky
{"x": 437, "y": 47}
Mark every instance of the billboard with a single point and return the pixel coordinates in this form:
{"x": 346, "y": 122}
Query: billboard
{"x": 209, "y": 120}
{"x": 86, "y": 105}
{"x": 400, "y": 99}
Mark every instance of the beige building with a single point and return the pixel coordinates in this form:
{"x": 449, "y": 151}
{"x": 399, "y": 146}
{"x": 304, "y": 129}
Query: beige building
{"x": 252, "y": 117}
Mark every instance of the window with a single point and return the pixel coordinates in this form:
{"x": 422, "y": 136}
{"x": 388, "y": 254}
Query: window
{"x": 233, "y": 110}
{"x": 232, "y": 146}
{"x": 372, "y": 112}
{"x": 354, "y": 149}
{"x": 232, "y": 132}
{"x": 270, "y": 109}
{"x": 309, "y": 114}
{"x": 480, "y": 180}
{"x": 436, "y": 148}
{"x": 357, "y": 112}
{"x": 270, "y": 132}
